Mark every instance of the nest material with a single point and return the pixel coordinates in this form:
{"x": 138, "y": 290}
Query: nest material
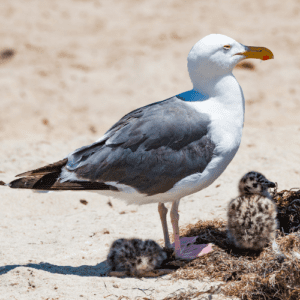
{"x": 288, "y": 205}
{"x": 273, "y": 273}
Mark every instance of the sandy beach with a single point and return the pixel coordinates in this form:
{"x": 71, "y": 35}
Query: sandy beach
{"x": 72, "y": 68}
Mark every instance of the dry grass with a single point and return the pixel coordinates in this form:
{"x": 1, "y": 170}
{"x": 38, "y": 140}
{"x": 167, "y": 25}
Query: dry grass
{"x": 273, "y": 273}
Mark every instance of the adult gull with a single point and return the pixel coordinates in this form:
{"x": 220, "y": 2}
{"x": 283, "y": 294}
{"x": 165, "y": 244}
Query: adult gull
{"x": 166, "y": 150}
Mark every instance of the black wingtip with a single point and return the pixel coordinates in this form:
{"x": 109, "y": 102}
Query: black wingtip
{"x": 51, "y": 182}
{"x": 55, "y": 167}
{"x": 2, "y": 182}
{"x": 14, "y": 184}
{"x": 22, "y": 183}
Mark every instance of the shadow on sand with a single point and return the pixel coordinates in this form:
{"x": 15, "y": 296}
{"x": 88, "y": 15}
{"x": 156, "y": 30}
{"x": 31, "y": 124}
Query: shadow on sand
{"x": 100, "y": 269}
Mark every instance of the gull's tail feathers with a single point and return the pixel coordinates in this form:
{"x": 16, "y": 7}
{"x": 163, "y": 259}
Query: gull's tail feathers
{"x": 47, "y": 178}
{"x": 55, "y": 167}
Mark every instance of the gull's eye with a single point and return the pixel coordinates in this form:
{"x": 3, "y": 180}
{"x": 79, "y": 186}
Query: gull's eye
{"x": 227, "y": 47}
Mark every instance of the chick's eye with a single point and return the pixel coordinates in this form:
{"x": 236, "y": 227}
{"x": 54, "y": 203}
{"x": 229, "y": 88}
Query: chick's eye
{"x": 227, "y": 47}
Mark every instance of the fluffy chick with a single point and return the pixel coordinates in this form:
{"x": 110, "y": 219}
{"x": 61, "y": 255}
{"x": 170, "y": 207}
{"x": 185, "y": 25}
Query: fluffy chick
{"x": 135, "y": 256}
{"x": 252, "y": 216}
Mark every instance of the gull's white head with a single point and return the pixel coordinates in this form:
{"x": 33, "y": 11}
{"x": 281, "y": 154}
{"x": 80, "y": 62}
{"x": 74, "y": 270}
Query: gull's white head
{"x": 216, "y": 55}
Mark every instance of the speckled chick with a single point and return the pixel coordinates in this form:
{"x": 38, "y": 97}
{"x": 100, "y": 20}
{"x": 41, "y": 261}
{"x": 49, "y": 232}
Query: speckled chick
{"x": 252, "y": 216}
{"x": 135, "y": 256}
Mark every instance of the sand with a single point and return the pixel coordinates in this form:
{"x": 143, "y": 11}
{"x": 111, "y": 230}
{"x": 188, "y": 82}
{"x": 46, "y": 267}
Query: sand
{"x": 78, "y": 66}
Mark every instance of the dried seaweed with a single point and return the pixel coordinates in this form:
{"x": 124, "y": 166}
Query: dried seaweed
{"x": 288, "y": 204}
{"x": 273, "y": 273}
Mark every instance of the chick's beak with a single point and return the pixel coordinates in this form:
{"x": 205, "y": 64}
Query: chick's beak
{"x": 271, "y": 184}
{"x": 257, "y": 52}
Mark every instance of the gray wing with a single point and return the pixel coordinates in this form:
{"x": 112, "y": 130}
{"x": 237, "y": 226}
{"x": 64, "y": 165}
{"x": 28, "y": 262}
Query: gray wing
{"x": 149, "y": 149}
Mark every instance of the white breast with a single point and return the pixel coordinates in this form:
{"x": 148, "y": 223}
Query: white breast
{"x": 226, "y": 112}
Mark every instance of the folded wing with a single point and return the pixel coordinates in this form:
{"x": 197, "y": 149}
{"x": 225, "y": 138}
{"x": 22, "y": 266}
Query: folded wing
{"x": 149, "y": 149}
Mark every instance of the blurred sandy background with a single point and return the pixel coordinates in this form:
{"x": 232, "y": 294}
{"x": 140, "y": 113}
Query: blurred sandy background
{"x": 68, "y": 71}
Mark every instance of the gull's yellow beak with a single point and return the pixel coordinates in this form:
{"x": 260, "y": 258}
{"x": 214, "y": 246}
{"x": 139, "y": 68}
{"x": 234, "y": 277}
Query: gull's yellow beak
{"x": 257, "y": 52}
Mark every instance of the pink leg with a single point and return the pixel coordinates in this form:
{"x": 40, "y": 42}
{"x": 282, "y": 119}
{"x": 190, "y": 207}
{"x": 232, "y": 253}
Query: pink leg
{"x": 174, "y": 220}
{"x": 163, "y": 217}
{"x": 185, "y": 247}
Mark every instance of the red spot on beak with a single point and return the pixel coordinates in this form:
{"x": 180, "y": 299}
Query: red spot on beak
{"x": 266, "y": 57}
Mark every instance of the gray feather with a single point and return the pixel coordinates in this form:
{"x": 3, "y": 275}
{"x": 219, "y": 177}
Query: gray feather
{"x": 149, "y": 149}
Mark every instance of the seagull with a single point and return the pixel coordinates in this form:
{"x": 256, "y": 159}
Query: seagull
{"x": 166, "y": 150}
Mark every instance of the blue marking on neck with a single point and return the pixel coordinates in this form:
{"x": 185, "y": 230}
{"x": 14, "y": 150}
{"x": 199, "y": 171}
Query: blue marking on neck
{"x": 192, "y": 95}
